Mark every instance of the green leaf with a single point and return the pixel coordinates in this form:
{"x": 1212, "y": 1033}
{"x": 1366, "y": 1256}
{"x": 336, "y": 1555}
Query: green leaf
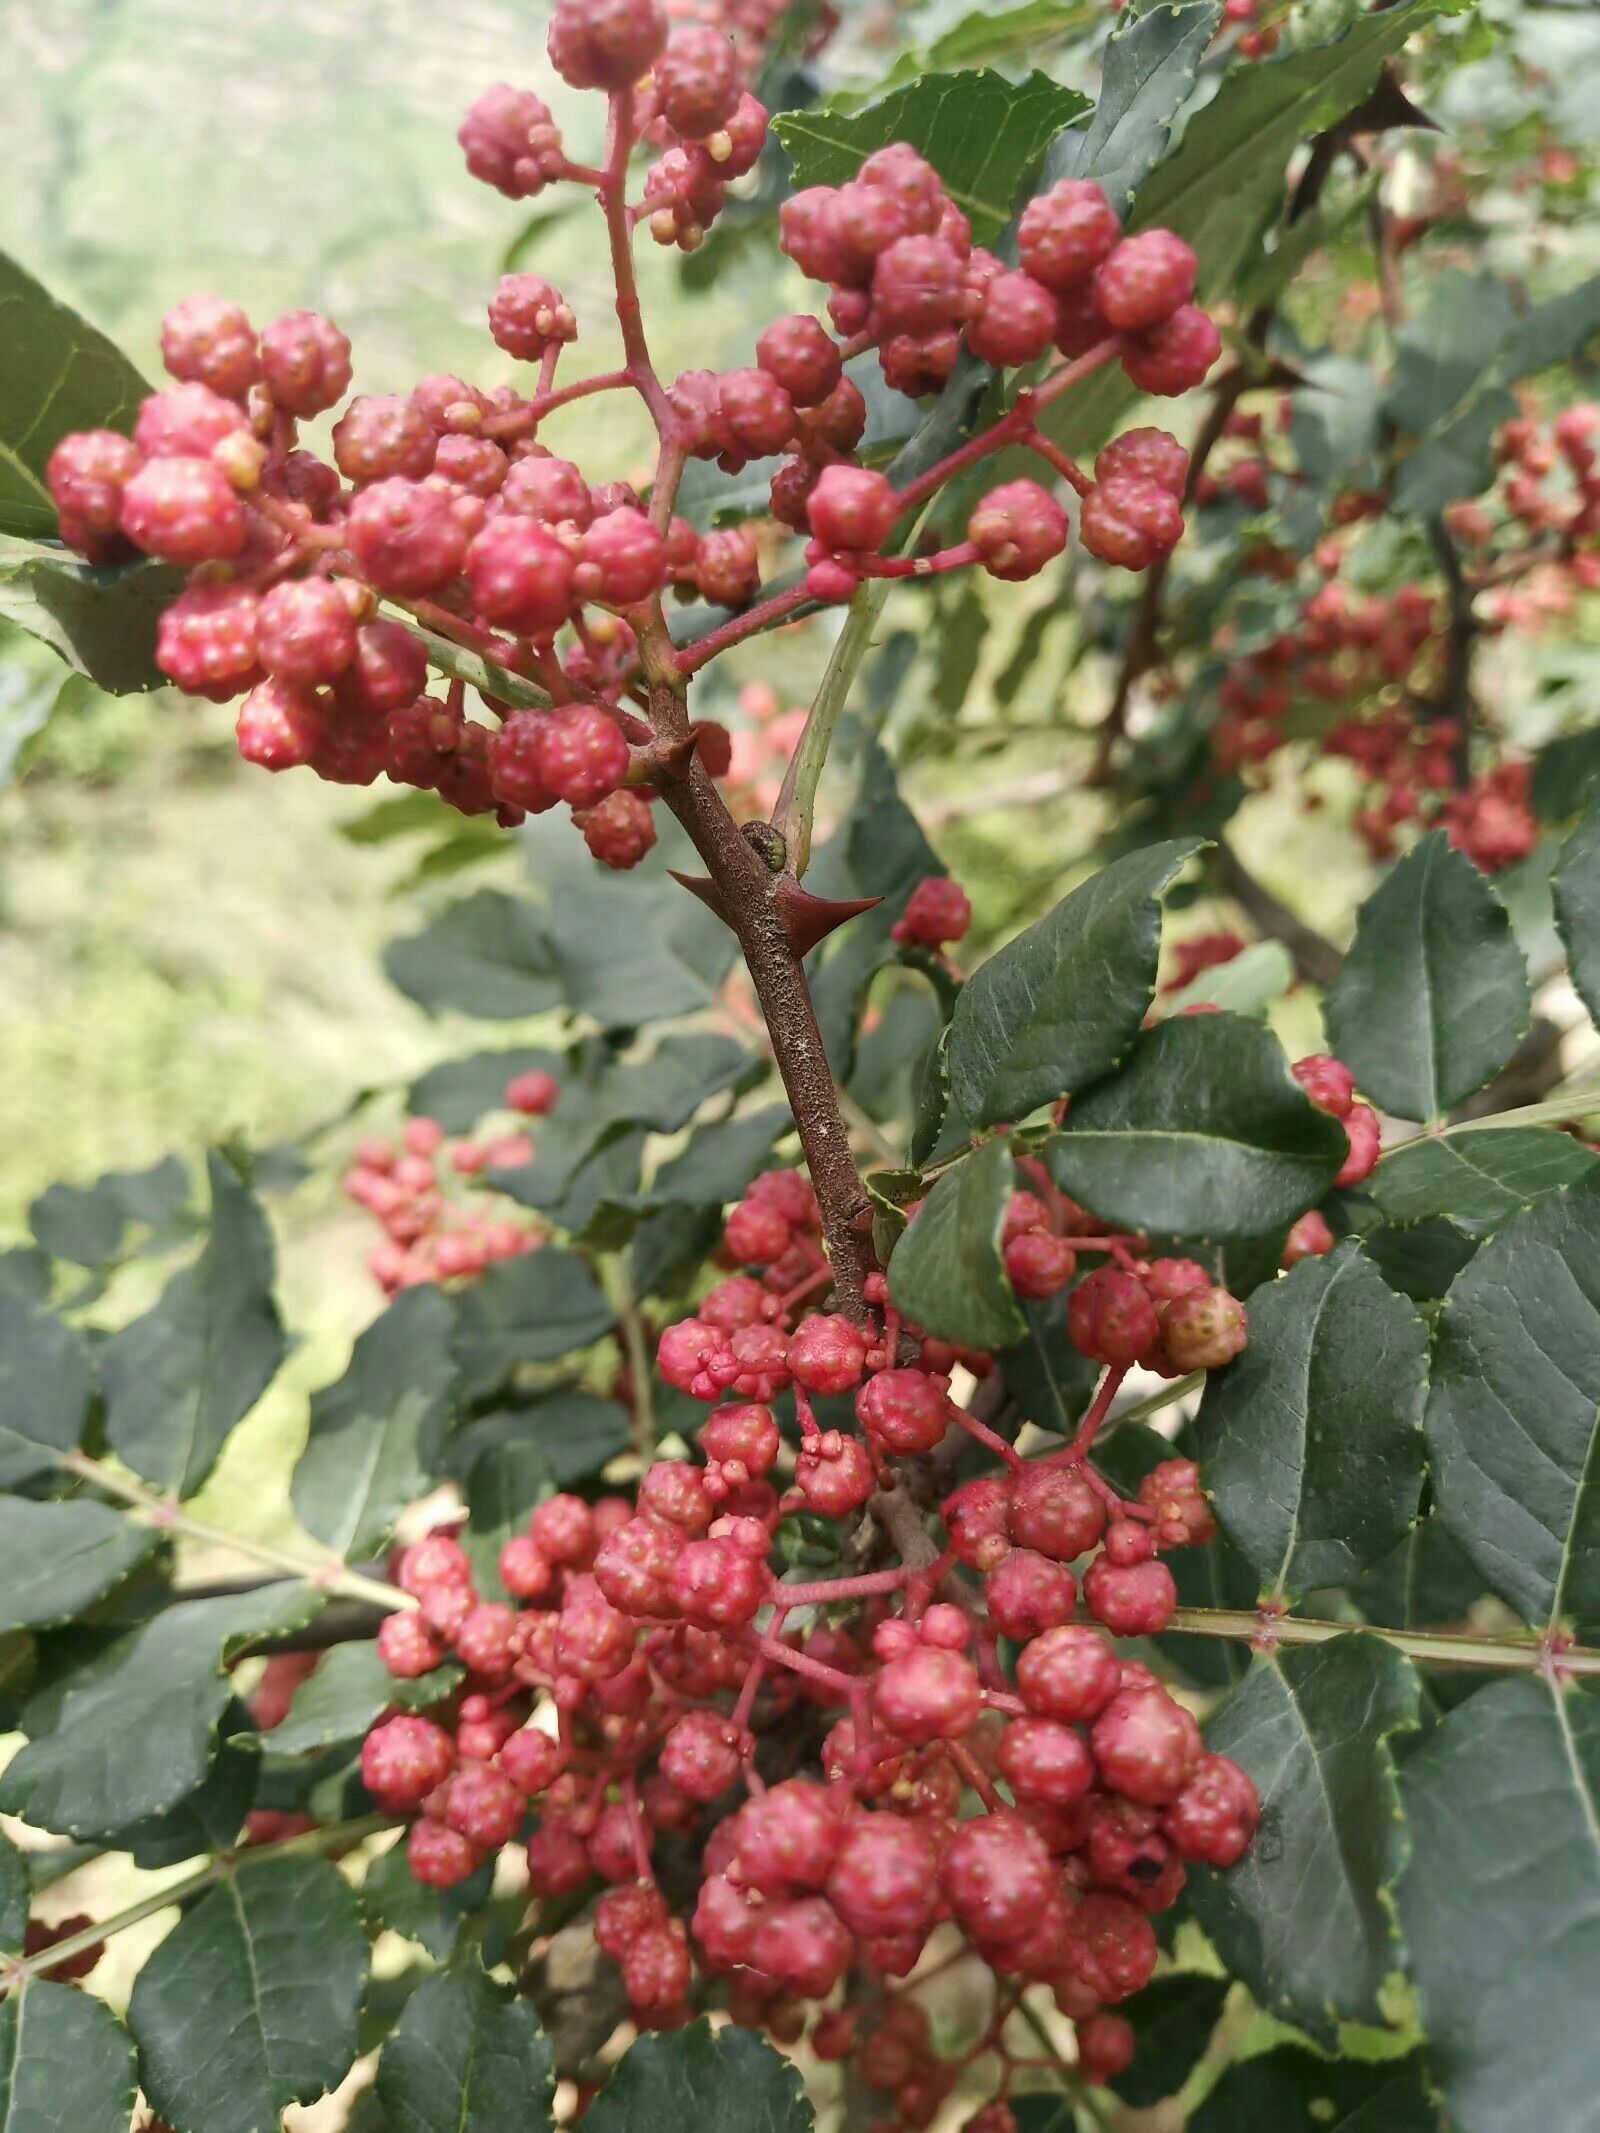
{"x": 1425, "y": 1582}
{"x": 715, "y": 1168}
{"x": 595, "y": 948}
{"x": 1289, "y": 2088}
{"x": 467, "y": 2056}
{"x": 1442, "y": 350}
{"x": 879, "y": 850}
{"x": 720, "y": 1160}
{"x": 101, "y": 620}
{"x": 1478, "y": 1180}
{"x": 1433, "y": 996}
{"x": 1247, "y": 985}
{"x": 375, "y": 1434}
{"x": 61, "y": 374}
{"x": 1500, "y": 1903}
{"x": 1514, "y": 1410}
{"x": 394, "y": 1901}
{"x": 947, "y": 1273}
{"x": 1456, "y": 455}
{"x": 532, "y": 1309}
{"x": 701, "y": 2080}
{"x": 45, "y": 1388}
{"x": 976, "y": 40}
{"x": 1060, "y": 1005}
{"x": 347, "y": 1695}
{"x": 1147, "y": 73}
{"x": 1456, "y": 460}
{"x": 1202, "y": 1134}
{"x": 1230, "y": 168}
{"x": 15, "y": 1889}
{"x": 488, "y": 955}
{"x": 62, "y": 1557}
{"x": 507, "y": 1460}
{"x": 1564, "y": 775}
{"x": 980, "y": 132}
{"x": 1311, "y": 1441}
{"x": 1227, "y": 177}
{"x": 1305, "y": 1918}
{"x": 1173, "y": 2019}
{"x": 88, "y": 1224}
{"x": 606, "y": 1094}
{"x": 65, "y": 2061}
{"x": 459, "y": 1092}
{"x": 1049, "y": 1378}
{"x": 272, "y": 1964}
{"x": 1576, "y": 889}
{"x": 178, "y": 1380}
{"x": 133, "y": 1731}
{"x": 210, "y": 1818}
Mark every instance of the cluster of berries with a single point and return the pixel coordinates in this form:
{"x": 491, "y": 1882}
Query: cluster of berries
{"x": 1349, "y": 650}
{"x": 624, "y": 1691}
{"x": 1200, "y": 952}
{"x": 431, "y": 1233}
{"x": 444, "y": 503}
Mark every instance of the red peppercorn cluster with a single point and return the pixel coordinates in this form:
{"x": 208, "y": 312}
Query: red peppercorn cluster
{"x": 618, "y": 1698}
{"x": 1332, "y": 1088}
{"x": 443, "y": 502}
{"x": 432, "y": 1195}
{"x": 1528, "y": 553}
{"x": 937, "y": 914}
{"x": 1201, "y": 952}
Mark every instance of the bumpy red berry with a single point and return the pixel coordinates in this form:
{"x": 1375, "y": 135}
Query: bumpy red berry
{"x": 605, "y": 44}
{"x": 1066, "y": 232}
{"x": 1174, "y": 356}
{"x": 527, "y": 316}
{"x": 1017, "y": 529}
{"x": 1130, "y": 522}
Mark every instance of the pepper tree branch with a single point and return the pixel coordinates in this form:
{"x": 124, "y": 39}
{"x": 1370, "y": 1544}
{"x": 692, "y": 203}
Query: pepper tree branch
{"x": 1455, "y": 698}
{"x": 161, "y": 1512}
{"x": 1316, "y": 960}
{"x": 748, "y": 893}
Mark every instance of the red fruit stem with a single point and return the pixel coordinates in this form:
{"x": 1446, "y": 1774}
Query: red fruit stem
{"x": 960, "y": 557}
{"x": 866, "y": 1586}
{"x": 974, "y": 1775}
{"x": 749, "y": 624}
{"x": 1063, "y": 462}
{"x": 991, "y": 1439}
{"x": 613, "y": 200}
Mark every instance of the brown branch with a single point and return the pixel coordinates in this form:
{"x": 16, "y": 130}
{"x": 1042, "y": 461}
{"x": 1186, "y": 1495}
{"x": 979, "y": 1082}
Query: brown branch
{"x": 1455, "y": 699}
{"x": 747, "y": 892}
{"x": 1316, "y": 960}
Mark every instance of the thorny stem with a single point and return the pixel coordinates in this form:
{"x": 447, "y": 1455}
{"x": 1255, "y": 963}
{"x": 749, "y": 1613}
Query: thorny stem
{"x": 161, "y": 1512}
{"x": 748, "y": 893}
{"x": 15, "y": 1972}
